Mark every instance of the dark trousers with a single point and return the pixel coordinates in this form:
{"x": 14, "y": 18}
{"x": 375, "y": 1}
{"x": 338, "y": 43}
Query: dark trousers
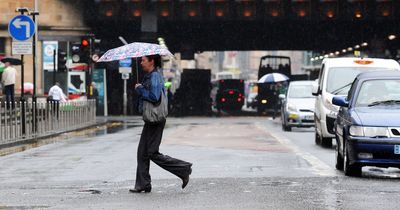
{"x": 9, "y": 91}
{"x": 149, "y": 144}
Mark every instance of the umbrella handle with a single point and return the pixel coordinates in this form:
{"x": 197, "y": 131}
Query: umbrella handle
{"x": 137, "y": 71}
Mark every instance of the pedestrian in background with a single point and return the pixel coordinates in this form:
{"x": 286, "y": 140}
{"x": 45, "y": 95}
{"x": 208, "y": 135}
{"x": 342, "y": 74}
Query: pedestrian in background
{"x": 150, "y": 139}
{"x": 8, "y": 79}
{"x": 56, "y": 95}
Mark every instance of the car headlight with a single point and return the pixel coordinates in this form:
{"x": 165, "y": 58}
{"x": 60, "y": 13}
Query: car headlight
{"x": 369, "y": 131}
{"x": 291, "y": 108}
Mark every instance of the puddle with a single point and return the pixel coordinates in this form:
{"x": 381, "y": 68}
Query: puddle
{"x": 90, "y": 191}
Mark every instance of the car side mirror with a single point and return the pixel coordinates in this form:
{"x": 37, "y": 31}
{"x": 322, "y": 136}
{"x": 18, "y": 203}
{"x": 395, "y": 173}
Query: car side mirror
{"x": 340, "y": 101}
{"x": 282, "y": 96}
{"x": 315, "y": 90}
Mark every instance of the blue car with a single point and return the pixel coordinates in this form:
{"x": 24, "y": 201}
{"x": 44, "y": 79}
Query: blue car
{"x": 367, "y": 128}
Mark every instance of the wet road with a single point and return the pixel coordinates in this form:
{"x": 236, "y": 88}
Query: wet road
{"x": 239, "y": 163}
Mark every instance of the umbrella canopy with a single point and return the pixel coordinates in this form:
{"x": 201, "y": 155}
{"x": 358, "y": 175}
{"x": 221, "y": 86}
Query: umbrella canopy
{"x": 272, "y": 78}
{"x": 134, "y": 50}
{"x": 28, "y": 87}
{"x": 12, "y": 61}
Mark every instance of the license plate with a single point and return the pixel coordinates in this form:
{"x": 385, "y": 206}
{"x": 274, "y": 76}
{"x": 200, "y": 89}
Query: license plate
{"x": 397, "y": 149}
{"x": 309, "y": 117}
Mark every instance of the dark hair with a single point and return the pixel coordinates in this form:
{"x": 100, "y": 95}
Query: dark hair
{"x": 156, "y": 58}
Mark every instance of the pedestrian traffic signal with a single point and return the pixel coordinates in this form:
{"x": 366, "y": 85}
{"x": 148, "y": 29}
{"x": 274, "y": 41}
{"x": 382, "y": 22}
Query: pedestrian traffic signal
{"x": 61, "y": 61}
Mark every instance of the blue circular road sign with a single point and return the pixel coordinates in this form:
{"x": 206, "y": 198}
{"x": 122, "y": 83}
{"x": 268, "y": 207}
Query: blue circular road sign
{"x": 21, "y": 27}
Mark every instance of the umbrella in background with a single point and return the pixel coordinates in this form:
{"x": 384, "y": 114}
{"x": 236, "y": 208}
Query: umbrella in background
{"x": 272, "y": 78}
{"x": 2, "y": 67}
{"x": 12, "y": 61}
{"x": 28, "y": 87}
{"x": 134, "y": 50}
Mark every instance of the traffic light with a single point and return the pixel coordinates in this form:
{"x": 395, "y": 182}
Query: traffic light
{"x": 86, "y": 44}
{"x": 81, "y": 51}
{"x": 61, "y": 61}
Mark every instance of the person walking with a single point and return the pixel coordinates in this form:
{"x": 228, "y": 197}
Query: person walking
{"x": 56, "y": 93}
{"x": 8, "y": 79}
{"x": 150, "y": 139}
{"x": 55, "y": 96}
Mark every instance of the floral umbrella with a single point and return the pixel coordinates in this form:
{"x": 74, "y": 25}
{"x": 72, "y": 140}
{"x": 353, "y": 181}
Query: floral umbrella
{"x": 134, "y": 50}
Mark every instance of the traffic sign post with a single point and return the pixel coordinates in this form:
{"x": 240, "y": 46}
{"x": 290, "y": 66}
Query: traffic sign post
{"x": 125, "y": 68}
{"x": 22, "y": 28}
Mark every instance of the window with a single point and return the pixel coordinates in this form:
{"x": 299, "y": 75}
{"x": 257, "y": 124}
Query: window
{"x": 2, "y": 46}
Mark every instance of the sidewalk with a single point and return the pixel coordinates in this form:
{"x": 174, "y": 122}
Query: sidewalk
{"x": 110, "y": 121}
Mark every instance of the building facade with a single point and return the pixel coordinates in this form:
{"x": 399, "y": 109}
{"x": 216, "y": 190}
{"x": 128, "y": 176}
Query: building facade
{"x": 58, "y": 21}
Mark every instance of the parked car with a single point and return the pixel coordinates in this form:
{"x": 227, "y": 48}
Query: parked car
{"x": 297, "y": 108}
{"x": 367, "y": 127}
{"x": 335, "y": 78}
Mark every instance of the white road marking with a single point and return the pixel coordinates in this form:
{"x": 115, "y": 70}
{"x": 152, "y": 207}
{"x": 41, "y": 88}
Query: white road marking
{"x": 319, "y": 167}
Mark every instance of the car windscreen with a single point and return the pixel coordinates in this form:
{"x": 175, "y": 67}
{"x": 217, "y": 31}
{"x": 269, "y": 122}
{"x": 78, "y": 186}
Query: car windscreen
{"x": 379, "y": 92}
{"x": 339, "y": 79}
{"x": 300, "y": 91}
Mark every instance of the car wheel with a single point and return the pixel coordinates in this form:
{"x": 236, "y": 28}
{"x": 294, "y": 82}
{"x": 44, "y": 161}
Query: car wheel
{"x": 350, "y": 170}
{"x": 285, "y": 127}
{"x": 339, "y": 158}
{"x": 326, "y": 142}
{"x": 317, "y": 138}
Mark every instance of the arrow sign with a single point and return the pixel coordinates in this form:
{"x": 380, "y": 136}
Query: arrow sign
{"x": 18, "y": 23}
{"x": 21, "y": 27}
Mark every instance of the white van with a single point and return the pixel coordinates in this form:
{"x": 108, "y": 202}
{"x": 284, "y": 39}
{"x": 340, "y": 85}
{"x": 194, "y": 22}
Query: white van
{"x": 335, "y": 78}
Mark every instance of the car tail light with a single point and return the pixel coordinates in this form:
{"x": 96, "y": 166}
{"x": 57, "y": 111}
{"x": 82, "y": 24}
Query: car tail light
{"x": 231, "y": 92}
{"x": 223, "y": 99}
{"x": 239, "y": 99}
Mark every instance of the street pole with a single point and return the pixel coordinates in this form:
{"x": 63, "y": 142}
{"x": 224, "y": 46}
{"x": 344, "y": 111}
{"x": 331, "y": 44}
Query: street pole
{"x": 125, "y": 95}
{"x": 34, "y": 41}
{"x": 22, "y": 99}
{"x": 54, "y": 66}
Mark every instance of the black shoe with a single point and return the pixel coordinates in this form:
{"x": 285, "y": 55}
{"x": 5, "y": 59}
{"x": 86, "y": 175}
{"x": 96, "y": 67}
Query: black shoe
{"x": 146, "y": 190}
{"x": 185, "y": 180}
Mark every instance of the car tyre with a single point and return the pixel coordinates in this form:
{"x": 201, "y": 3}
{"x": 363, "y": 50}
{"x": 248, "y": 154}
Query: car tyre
{"x": 326, "y": 142}
{"x": 350, "y": 169}
{"x": 339, "y": 159}
{"x": 317, "y": 138}
{"x": 285, "y": 127}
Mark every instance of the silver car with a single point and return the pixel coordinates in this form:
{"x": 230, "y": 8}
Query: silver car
{"x": 298, "y": 105}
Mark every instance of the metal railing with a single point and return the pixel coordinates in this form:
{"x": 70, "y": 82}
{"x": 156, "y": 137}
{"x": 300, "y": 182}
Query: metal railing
{"x": 26, "y": 120}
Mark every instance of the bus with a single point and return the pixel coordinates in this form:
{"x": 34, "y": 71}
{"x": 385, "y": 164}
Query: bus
{"x": 270, "y": 64}
{"x": 228, "y": 94}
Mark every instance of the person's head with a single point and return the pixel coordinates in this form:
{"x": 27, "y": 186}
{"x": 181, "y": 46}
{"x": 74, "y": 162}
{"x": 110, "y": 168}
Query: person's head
{"x": 7, "y": 64}
{"x": 58, "y": 84}
{"x": 150, "y": 62}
